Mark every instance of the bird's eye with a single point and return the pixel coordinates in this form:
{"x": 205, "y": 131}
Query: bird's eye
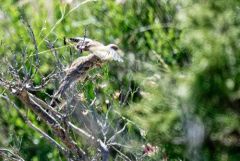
{"x": 114, "y": 47}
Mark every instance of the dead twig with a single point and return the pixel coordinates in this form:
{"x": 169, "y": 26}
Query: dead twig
{"x": 10, "y": 155}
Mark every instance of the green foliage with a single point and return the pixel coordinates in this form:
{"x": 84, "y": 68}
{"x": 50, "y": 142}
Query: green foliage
{"x": 177, "y": 54}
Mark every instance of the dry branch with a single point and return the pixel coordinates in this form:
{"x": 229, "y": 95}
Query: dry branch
{"x": 10, "y": 155}
{"x": 101, "y": 135}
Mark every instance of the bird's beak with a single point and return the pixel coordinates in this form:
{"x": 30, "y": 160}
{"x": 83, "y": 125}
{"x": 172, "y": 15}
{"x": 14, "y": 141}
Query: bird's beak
{"x": 120, "y": 52}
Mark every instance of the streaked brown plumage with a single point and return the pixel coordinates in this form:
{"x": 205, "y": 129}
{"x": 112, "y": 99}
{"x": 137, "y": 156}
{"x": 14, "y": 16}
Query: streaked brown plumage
{"x": 79, "y": 68}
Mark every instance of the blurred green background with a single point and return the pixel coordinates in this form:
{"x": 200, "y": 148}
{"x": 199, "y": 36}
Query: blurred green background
{"x": 179, "y": 81}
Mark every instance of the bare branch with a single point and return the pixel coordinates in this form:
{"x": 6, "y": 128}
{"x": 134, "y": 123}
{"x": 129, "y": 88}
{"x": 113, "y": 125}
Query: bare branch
{"x": 6, "y": 153}
{"x": 46, "y": 136}
{"x": 24, "y": 68}
{"x": 30, "y": 124}
{"x": 45, "y": 106}
{"x": 57, "y": 128}
{"x": 80, "y": 131}
{"x": 119, "y": 145}
{"x": 104, "y": 150}
{"x": 103, "y": 147}
{"x": 94, "y": 127}
{"x": 55, "y": 53}
{"x": 117, "y": 133}
{"x": 121, "y": 154}
{"x": 32, "y": 36}
{"x": 129, "y": 121}
{"x": 59, "y": 131}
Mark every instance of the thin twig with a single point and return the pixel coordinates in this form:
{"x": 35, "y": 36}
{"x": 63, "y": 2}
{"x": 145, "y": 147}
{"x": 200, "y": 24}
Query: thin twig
{"x": 80, "y": 131}
{"x": 62, "y": 18}
{"x": 123, "y": 155}
{"x": 46, "y": 136}
{"x": 10, "y": 155}
{"x": 32, "y": 36}
{"x": 55, "y": 53}
{"x": 30, "y": 124}
{"x": 117, "y": 133}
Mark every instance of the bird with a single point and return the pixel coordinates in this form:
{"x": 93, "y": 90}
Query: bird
{"x": 105, "y": 53}
{"x": 77, "y": 71}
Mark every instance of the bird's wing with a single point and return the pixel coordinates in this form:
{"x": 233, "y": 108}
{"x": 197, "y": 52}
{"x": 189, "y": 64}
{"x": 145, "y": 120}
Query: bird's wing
{"x": 107, "y": 54}
{"x": 77, "y": 62}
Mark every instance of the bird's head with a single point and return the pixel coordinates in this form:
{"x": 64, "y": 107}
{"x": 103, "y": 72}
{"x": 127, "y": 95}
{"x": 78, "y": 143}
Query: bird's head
{"x": 115, "y": 53}
{"x": 113, "y": 47}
